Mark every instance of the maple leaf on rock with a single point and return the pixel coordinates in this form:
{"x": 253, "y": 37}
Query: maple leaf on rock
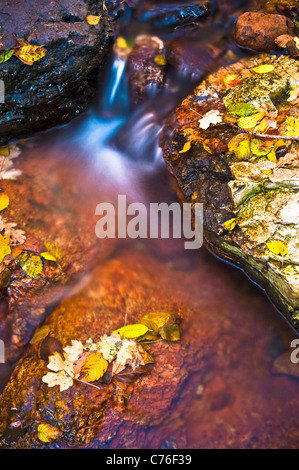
{"x": 212, "y": 117}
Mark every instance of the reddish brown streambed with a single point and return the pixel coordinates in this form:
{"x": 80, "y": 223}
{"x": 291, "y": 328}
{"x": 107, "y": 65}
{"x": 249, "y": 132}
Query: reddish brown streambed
{"x": 218, "y": 387}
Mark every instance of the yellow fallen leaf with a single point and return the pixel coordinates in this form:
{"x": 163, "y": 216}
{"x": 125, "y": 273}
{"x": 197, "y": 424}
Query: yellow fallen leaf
{"x": 93, "y": 19}
{"x": 121, "y": 42}
{"x": 264, "y": 68}
{"x": 131, "y": 331}
{"x": 160, "y": 59}
{"x": 40, "y": 334}
{"x": 46, "y": 255}
{"x": 249, "y": 122}
{"x": 4, "y": 246}
{"x": 94, "y": 367}
{"x": 186, "y": 147}
{"x": 4, "y": 201}
{"x": 54, "y": 250}
{"x": 46, "y": 432}
{"x": 161, "y": 318}
{"x": 277, "y": 247}
{"x": 29, "y": 54}
{"x": 230, "y": 224}
{"x": 4, "y": 151}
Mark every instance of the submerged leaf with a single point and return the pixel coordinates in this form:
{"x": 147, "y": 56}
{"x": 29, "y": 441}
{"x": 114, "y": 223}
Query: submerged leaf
{"x": 46, "y": 255}
{"x": 40, "y": 334}
{"x": 161, "y": 318}
{"x": 46, "y": 432}
{"x": 32, "y": 265}
{"x": 170, "y": 332}
{"x": 54, "y": 250}
{"x": 243, "y": 151}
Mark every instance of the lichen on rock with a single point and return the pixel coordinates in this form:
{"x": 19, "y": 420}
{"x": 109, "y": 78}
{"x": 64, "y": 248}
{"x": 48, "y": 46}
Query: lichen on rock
{"x": 251, "y": 172}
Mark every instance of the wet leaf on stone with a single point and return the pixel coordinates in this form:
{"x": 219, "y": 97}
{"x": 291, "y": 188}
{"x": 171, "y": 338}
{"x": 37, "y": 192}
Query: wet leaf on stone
{"x": 47, "y": 433}
{"x": 46, "y": 255}
{"x": 277, "y": 247}
{"x": 243, "y": 151}
{"x": 186, "y": 147}
{"x": 249, "y": 122}
{"x": 32, "y": 265}
{"x": 160, "y": 59}
{"x": 94, "y": 367}
{"x": 212, "y": 117}
{"x": 264, "y": 68}
{"x": 230, "y": 224}
{"x": 6, "y": 55}
{"x": 93, "y": 19}
{"x": 292, "y": 129}
{"x": 131, "y": 331}
{"x": 28, "y": 54}
{"x": 259, "y": 148}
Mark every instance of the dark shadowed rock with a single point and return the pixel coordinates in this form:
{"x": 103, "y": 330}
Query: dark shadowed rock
{"x": 60, "y": 85}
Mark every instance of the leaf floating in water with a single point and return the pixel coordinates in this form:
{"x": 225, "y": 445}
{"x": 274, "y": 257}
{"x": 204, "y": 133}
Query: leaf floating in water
{"x": 186, "y": 147}
{"x": 46, "y": 432}
{"x": 4, "y": 201}
{"x": 6, "y": 55}
{"x": 94, "y": 367}
{"x": 28, "y": 53}
{"x": 230, "y": 224}
{"x": 131, "y": 331}
{"x": 264, "y": 68}
{"x": 32, "y": 265}
{"x": 93, "y": 19}
{"x": 277, "y": 247}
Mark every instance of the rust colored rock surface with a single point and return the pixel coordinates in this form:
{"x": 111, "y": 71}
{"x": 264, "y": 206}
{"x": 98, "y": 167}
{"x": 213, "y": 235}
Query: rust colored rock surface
{"x": 257, "y": 30}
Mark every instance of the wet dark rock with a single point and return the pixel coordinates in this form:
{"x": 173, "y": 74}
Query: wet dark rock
{"x": 258, "y": 30}
{"x": 146, "y": 68}
{"x": 63, "y": 83}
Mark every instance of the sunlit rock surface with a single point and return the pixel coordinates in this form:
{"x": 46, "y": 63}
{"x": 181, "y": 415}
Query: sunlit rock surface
{"x": 259, "y": 194}
{"x": 210, "y": 389}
